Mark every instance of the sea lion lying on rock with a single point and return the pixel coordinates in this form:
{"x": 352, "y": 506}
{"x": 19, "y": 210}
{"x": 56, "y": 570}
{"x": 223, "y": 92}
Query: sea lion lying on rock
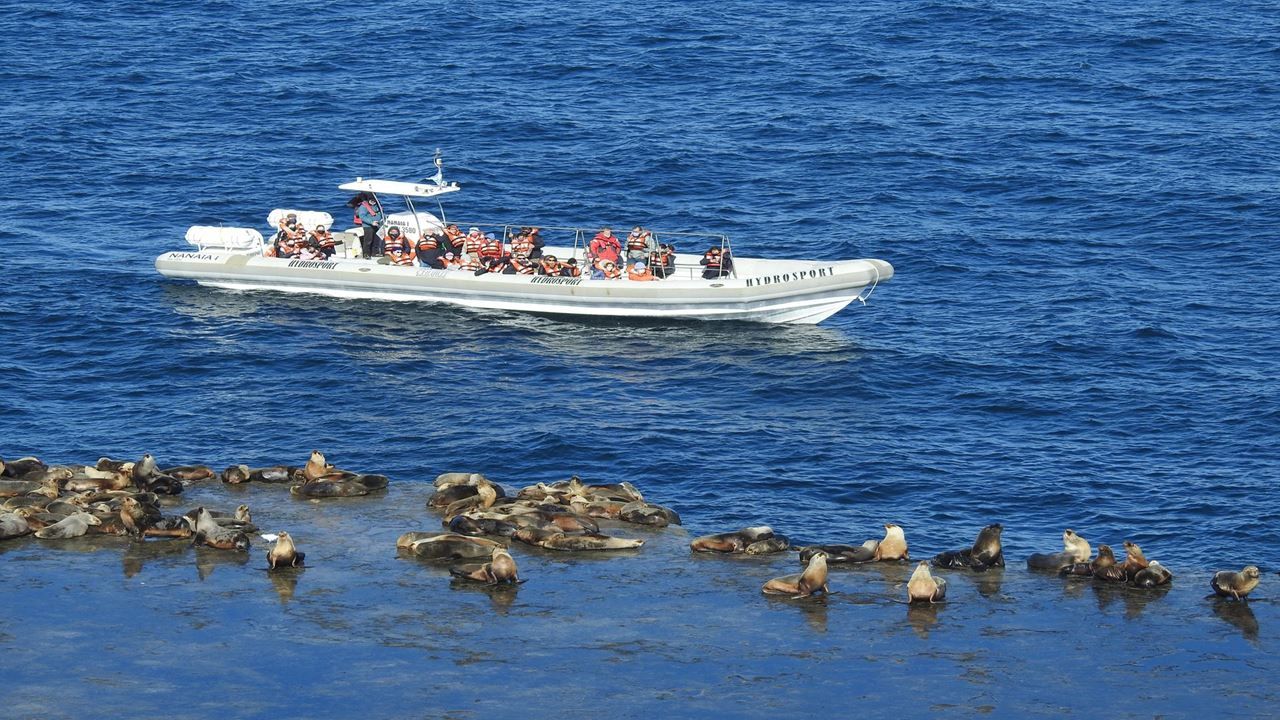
{"x": 985, "y": 553}
{"x": 752, "y": 541}
{"x": 553, "y": 540}
{"x": 813, "y": 580}
{"x": 501, "y": 569}
{"x": 1075, "y": 549}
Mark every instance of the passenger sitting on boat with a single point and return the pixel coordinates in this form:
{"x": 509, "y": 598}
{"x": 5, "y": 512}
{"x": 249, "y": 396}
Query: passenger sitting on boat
{"x": 640, "y": 245}
{"x": 396, "y": 248}
{"x": 469, "y": 261}
{"x": 639, "y": 271}
{"x": 309, "y": 249}
{"x": 369, "y": 217}
{"x": 491, "y": 247}
{"x": 605, "y": 270}
{"x": 496, "y": 265}
{"x": 323, "y": 240}
{"x": 663, "y": 262}
{"x": 427, "y": 250}
{"x": 472, "y": 242}
{"x": 548, "y": 265}
{"x": 523, "y": 265}
{"x": 570, "y": 268}
{"x": 716, "y": 264}
{"x": 452, "y": 241}
{"x": 446, "y": 261}
{"x": 604, "y": 246}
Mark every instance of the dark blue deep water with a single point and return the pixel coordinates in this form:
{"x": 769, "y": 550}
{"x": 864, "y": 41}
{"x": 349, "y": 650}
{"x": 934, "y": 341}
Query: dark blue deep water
{"x": 1080, "y": 201}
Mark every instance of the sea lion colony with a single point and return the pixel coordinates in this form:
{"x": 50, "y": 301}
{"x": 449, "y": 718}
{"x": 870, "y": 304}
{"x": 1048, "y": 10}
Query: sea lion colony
{"x": 115, "y": 497}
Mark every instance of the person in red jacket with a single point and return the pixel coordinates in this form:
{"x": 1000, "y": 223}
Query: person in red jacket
{"x": 604, "y": 246}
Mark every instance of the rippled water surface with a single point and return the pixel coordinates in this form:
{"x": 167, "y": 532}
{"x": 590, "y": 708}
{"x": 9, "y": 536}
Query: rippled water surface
{"x": 1081, "y": 207}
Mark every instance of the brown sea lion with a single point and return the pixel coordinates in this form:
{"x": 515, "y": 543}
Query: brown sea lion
{"x": 732, "y": 542}
{"x": 893, "y": 546}
{"x": 1134, "y": 560}
{"x": 236, "y": 474}
{"x": 284, "y": 553}
{"x": 466, "y": 524}
{"x": 444, "y": 480}
{"x": 501, "y": 569}
{"x": 985, "y": 553}
{"x": 553, "y": 540}
{"x": 924, "y": 587}
{"x": 484, "y": 499}
{"x": 1075, "y": 549}
{"x": 1104, "y": 566}
{"x": 1236, "y": 585}
{"x": 316, "y": 466}
{"x": 133, "y": 517}
{"x": 805, "y": 584}
{"x": 189, "y": 473}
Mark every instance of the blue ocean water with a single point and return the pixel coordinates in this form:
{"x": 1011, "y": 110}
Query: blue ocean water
{"x": 1079, "y": 201}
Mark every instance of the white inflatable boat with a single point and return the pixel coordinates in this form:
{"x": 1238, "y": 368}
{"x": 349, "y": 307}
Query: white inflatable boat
{"x": 779, "y": 291}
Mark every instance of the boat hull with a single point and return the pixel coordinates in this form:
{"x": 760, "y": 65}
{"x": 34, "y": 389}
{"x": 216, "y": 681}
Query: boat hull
{"x": 778, "y": 291}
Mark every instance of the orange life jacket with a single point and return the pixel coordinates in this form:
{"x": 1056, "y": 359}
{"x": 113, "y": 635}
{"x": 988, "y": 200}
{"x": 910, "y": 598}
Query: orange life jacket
{"x": 470, "y": 263}
{"x": 491, "y": 248}
{"x": 638, "y": 242}
{"x": 324, "y": 239}
{"x": 522, "y": 245}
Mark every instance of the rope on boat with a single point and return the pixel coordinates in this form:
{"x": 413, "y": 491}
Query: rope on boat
{"x": 863, "y": 298}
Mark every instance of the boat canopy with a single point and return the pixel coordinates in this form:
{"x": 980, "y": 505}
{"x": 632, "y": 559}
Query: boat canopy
{"x": 397, "y": 187}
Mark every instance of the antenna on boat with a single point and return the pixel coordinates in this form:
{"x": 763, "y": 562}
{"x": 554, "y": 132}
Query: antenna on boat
{"x": 438, "y": 178}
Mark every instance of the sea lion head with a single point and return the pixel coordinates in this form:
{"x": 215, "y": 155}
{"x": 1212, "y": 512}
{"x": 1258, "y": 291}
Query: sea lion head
{"x": 242, "y": 514}
{"x": 1251, "y": 572}
{"x": 91, "y": 518}
{"x": 1133, "y": 552}
{"x": 1105, "y": 556}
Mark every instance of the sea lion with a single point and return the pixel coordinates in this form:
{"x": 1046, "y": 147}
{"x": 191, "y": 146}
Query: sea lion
{"x": 133, "y": 517}
{"x": 1104, "y": 566}
{"x": 316, "y": 467}
{"x": 483, "y": 498}
{"x": 22, "y": 466}
{"x": 71, "y": 526}
{"x": 805, "y": 584}
{"x": 276, "y": 474}
{"x": 893, "y": 546}
{"x": 446, "y": 496}
{"x": 553, "y": 540}
{"x": 1075, "y": 549}
{"x": 146, "y": 476}
{"x": 329, "y": 488}
{"x": 924, "y": 587}
{"x": 468, "y": 525}
{"x": 985, "y": 553}
{"x": 1134, "y": 560}
{"x": 1153, "y": 575}
{"x": 597, "y": 508}
{"x": 13, "y": 525}
{"x": 623, "y": 491}
{"x": 646, "y": 513}
{"x": 209, "y": 532}
{"x": 841, "y": 554}
{"x": 15, "y": 488}
{"x": 284, "y": 553}
{"x": 189, "y": 473}
{"x": 444, "y": 480}
{"x": 731, "y": 542}
{"x": 501, "y": 569}
{"x": 447, "y": 546}
{"x": 1236, "y": 585}
{"x": 121, "y": 466}
{"x": 236, "y": 474}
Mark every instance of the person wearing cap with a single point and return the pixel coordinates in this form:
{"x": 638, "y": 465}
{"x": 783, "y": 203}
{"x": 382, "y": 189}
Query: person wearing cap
{"x": 639, "y": 271}
{"x": 491, "y": 247}
{"x": 640, "y": 245}
{"x": 322, "y": 239}
{"x": 548, "y": 265}
{"x": 569, "y": 268}
{"x": 428, "y": 249}
{"x": 369, "y": 217}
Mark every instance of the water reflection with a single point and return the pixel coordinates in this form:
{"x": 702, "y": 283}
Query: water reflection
{"x": 922, "y": 617}
{"x": 501, "y": 597}
{"x": 208, "y": 559}
{"x": 285, "y": 582}
{"x": 402, "y": 327}
{"x": 813, "y": 609}
{"x": 1238, "y": 614}
{"x": 138, "y": 554}
{"x": 1134, "y": 599}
